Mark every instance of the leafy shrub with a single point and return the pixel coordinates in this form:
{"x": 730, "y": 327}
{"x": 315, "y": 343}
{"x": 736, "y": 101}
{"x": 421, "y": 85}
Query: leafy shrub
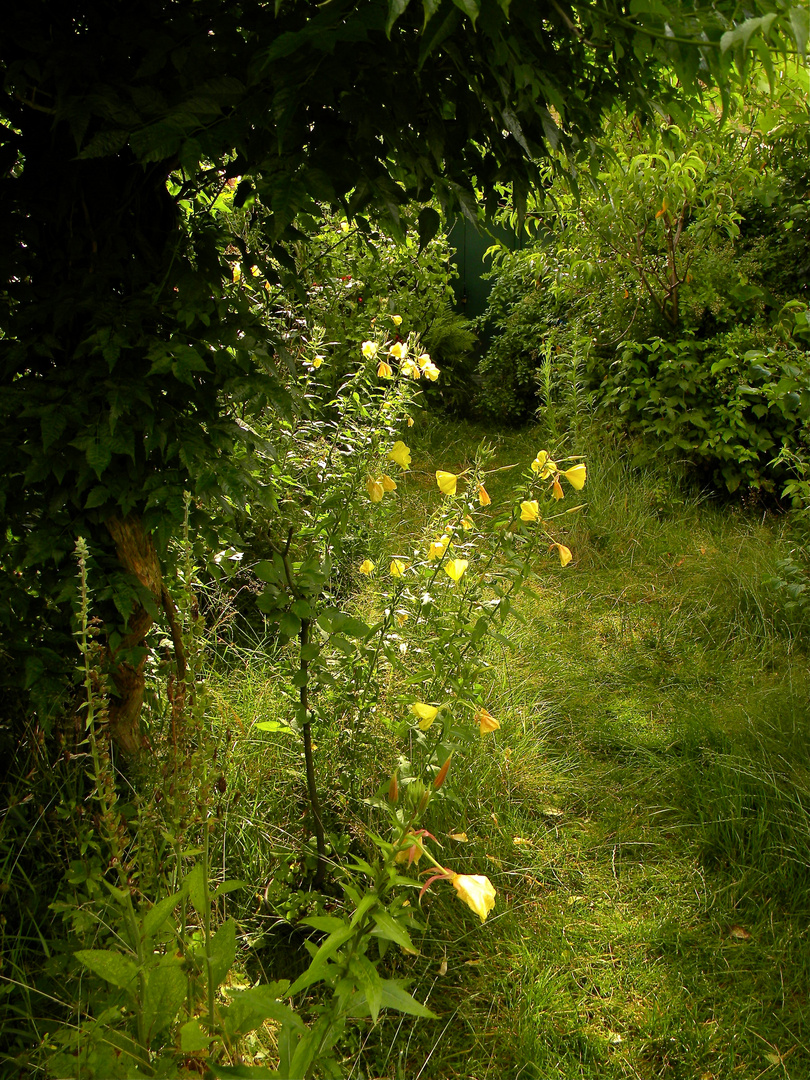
{"x": 725, "y": 404}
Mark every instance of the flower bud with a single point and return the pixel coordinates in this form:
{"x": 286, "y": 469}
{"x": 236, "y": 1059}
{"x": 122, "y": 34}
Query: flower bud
{"x": 393, "y": 789}
{"x": 441, "y": 775}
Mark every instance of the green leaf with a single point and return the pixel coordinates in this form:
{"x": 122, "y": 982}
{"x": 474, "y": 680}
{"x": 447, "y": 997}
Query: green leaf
{"x": 222, "y": 952}
{"x": 290, "y": 625}
{"x": 429, "y": 223}
{"x": 249, "y": 1009}
{"x": 274, "y": 725}
{"x": 158, "y": 914}
{"x": 166, "y": 988}
{"x": 395, "y": 996}
{"x": 368, "y": 982}
{"x": 319, "y": 961}
{"x": 395, "y": 9}
{"x": 388, "y": 928}
{"x": 471, "y": 8}
{"x": 230, "y": 886}
{"x": 193, "y": 1037}
{"x": 112, "y": 966}
{"x": 197, "y": 889}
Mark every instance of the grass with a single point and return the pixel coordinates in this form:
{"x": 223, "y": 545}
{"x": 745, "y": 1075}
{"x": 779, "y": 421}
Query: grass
{"x": 643, "y": 813}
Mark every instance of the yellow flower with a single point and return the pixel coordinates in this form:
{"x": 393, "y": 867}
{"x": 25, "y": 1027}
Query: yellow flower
{"x": 317, "y": 361}
{"x": 409, "y": 855}
{"x": 388, "y": 484}
{"x": 375, "y": 489}
{"x": 486, "y": 721}
{"x": 410, "y": 421}
{"x": 446, "y": 481}
{"x": 556, "y": 490}
{"x": 367, "y": 567}
{"x": 529, "y": 511}
{"x": 431, "y": 372}
{"x": 456, "y": 568}
{"x": 467, "y": 523}
{"x": 401, "y": 617}
{"x": 398, "y": 351}
{"x": 408, "y": 367}
{"x": 369, "y": 349}
{"x": 396, "y": 320}
{"x": 477, "y": 892}
{"x": 426, "y": 713}
{"x": 400, "y": 455}
{"x": 437, "y": 548}
{"x": 423, "y": 360}
{"x": 576, "y": 476}
{"x": 483, "y": 496}
{"x": 384, "y": 371}
{"x": 397, "y": 567}
{"x": 237, "y": 272}
{"x": 565, "y": 554}
{"x": 544, "y": 465}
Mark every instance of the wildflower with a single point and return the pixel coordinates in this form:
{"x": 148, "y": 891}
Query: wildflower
{"x": 431, "y": 372}
{"x": 483, "y": 496}
{"x": 370, "y": 349}
{"x": 529, "y": 511}
{"x": 543, "y": 465}
{"x": 375, "y": 489}
{"x": 438, "y": 547}
{"x": 396, "y": 320}
{"x": 401, "y": 617}
{"x": 384, "y": 371}
{"x": 397, "y": 567}
{"x": 399, "y": 351}
{"x": 317, "y": 360}
{"x": 456, "y": 568}
{"x": 467, "y": 523}
{"x": 409, "y": 368}
{"x": 409, "y": 855}
{"x": 423, "y": 360}
{"x": 388, "y": 484}
{"x": 477, "y": 892}
{"x": 400, "y": 455}
{"x": 367, "y": 567}
{"x": 446, "y": 481}
{"x": 576, "y": 476}
{"x": 410, "y": 421}
{"x": 565, "y": 554}
{"x": 237, "y": 272}
{"x": 556, "y": 489}
{"x": 426, "y": 714}
{"x": 486, "y": 721}
{"x": 344, "y": 226}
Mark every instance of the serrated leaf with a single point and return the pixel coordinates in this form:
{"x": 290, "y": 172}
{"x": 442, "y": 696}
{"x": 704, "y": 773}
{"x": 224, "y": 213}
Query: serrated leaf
{"x": 105, "y": 143}
{"x": 166, "y": 989}
{"x": 193, "y": 1037}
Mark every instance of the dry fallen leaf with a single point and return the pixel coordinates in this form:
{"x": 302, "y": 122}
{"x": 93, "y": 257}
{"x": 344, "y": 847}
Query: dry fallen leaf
{"x": 739, "y": 934}
{"x": 517, "y": 840}
{"x": 443, "y": 967}
{"x": 460, "y": 836}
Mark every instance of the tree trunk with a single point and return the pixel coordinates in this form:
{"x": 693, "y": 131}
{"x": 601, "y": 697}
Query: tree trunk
{"x": 137, "y": 555}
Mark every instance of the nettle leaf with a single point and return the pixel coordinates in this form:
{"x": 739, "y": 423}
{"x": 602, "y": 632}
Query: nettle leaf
{"x": 105, "y": 143}
{"x": 166, "y": 989}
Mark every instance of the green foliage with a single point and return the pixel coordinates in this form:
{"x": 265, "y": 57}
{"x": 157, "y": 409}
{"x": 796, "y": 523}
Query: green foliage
{"x": 727, "y": 407}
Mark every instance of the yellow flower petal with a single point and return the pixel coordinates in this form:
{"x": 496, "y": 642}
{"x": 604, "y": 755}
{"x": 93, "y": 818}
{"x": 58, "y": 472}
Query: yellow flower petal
{"x": 369, "y": 349}
{"x": 426, "y": 714}
{"x": 486, "y": 721}
{"x": 447, "y": 482}
{"x": 401, "y": 617}
{"x": 398, "y": 351}
{"x": 530, "y": 511}
{"x": 423, "y": 359}
{"x": 456, "y": 568}
{"x": 461, "y": 837}
{"x": 556, "y": 490}
{"x": 483, "y": 496}
{"x": 396, "y": 320}
{"x": 410, "y": 421}
{"x": 565, "y": 554}
{"x": 431, "y": 372}
{"x": 366, "y": 567}
{"x": 400, "y": 454}
{"x": 317, "y": 361}
{"x": 397, "y": 567}
{"x": 388, "y": 484}
{"x": 467, "y": 523}
{"x": 543, "y": 465}
{"x": 477, "y": 892}
{"x": 437, "y": 548}
{"x": 384, "y": 371}
{"x": 576, "y": 476}
{"x": 375, "y": 489}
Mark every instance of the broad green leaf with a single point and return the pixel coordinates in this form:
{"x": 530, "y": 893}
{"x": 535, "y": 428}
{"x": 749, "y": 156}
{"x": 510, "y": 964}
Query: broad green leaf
{"x": 368, "y": 982}
{"x": 395, "y": 9}
{"x": 193, "y": 1037}
{"x": 328, "y": 948}
{"x": 249, "y": 1009}
{"x": 157, "y": 915}
{"x": 230, "y": 886}
{"x": 197, "y": 889}
{"x": 471, "y": 8}
{"x": 166, "y": 989}
{"x": 222, "y": 951}
{"x": 112, "y": 966}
